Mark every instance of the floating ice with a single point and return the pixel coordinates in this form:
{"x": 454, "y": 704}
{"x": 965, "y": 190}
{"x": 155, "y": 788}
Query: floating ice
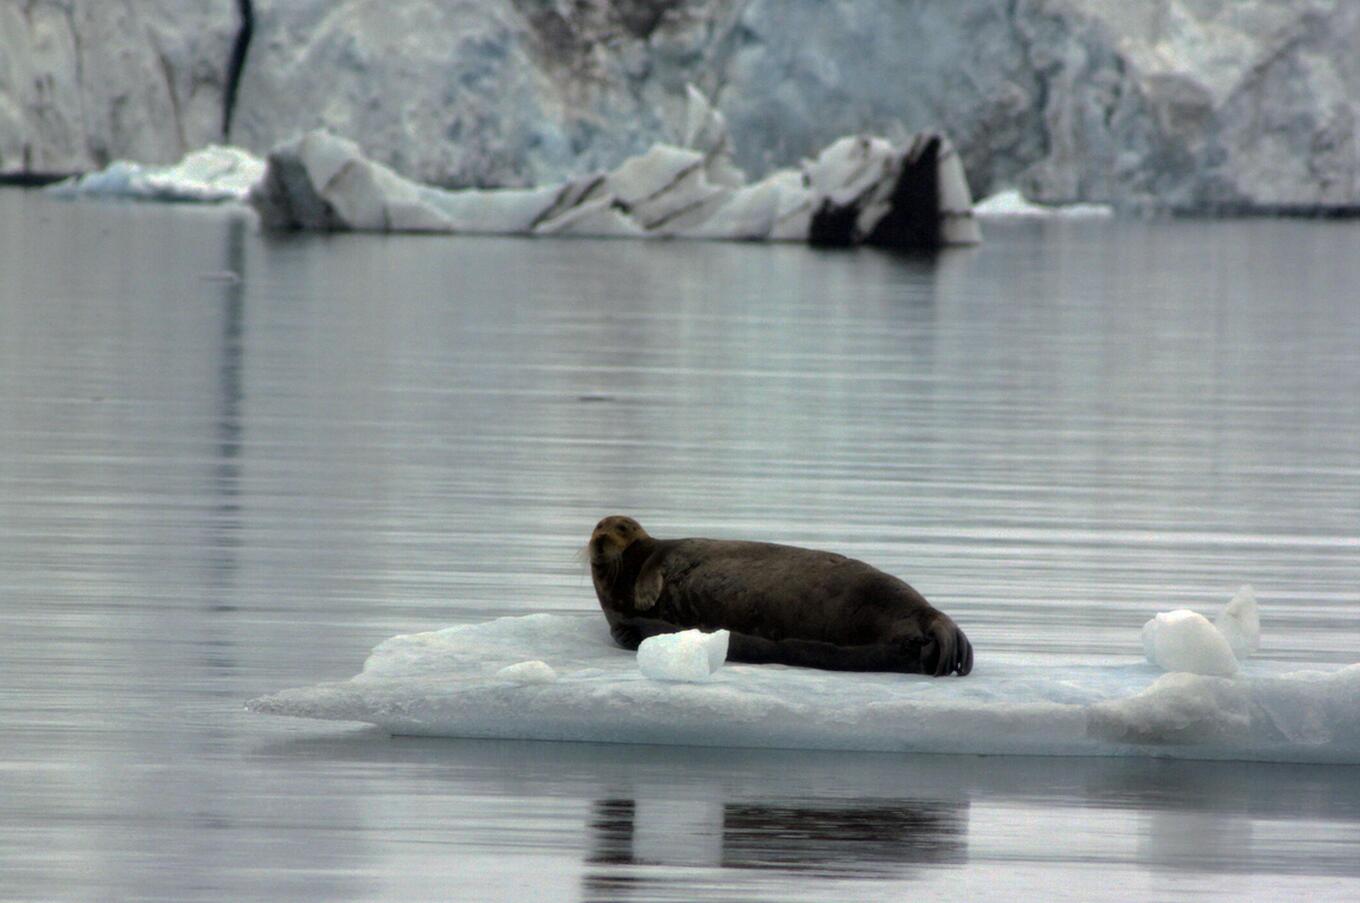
{"x": 860, "y": 190}
{"x": 1184, "y": 640}
{"x": 690, "y": 655}
{"x": 451, "y": 683}
{"x": 1011, "y": 204}
{"x": 857, "y": 191}
{"x": 211, "y": 174}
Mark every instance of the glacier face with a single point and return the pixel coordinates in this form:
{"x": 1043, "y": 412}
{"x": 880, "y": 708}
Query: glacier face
{"x": 1197, "y": 104}
{"x": 85, "y": 82}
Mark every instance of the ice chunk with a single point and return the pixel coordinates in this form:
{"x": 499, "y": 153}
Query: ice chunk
{"x": 706, "y": 131}
{"x": 207, "y": 175}
{"x": 452, "y": 683}
{"x": 532, "y": 672}
{"x": 1184, "y": 640}
{"x": 1240, "y": 624}
{"x": 1013, "y": 205}
{"x": 324, "y": 182}
{"x": 690, "y": 655}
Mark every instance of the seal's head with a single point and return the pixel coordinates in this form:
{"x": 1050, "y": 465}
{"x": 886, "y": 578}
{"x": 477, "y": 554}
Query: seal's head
{"x": 612, "y": 537}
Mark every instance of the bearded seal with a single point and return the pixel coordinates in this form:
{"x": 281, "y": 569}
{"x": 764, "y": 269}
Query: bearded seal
{"x": 781, "y": 603}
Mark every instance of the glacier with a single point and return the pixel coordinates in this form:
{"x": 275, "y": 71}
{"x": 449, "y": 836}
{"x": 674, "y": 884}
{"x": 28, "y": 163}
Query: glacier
{"x": 560, "y": 677}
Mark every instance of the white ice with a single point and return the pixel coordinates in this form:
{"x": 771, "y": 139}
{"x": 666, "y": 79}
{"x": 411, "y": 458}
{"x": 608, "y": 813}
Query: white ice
{"x": 211, "y": 174}
{"x": 1184, "y": 640}
{"x": 690, "y": 655}
{"x": 532, "y": 672}
{"x": 451, "y": 683}
{"x": 1011, "y": 204}
{"x": 1240, "y": 624}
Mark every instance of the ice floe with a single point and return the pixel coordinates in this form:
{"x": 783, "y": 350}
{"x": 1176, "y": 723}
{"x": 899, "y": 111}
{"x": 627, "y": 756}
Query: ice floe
{"x": 461, "y": 682}
{"x": 209, "y": 175}
{"x": 1011, "y": 204}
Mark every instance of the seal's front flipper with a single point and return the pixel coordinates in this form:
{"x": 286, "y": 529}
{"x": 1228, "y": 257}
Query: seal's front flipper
{"x": 626, "y": 635}
{"x": 630, "y": 632}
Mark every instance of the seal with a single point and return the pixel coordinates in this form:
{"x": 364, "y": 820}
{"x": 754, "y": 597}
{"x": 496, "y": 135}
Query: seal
{"x": 781, "y": 603}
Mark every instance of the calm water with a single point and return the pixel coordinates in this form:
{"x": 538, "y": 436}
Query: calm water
{"x": 211, "y": 489}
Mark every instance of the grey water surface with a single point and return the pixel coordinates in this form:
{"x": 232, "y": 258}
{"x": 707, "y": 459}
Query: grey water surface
{"x": 233, "y": 463}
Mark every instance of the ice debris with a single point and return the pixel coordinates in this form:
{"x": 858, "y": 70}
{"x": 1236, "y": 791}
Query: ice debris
{"x": 690, "y": 655}
{"x": 1240, "y": 624}
{"x": 1184, "y": 640}
{"x": 1011, "y": 204}
{"x": 453, "y": 683}
{"x": 208, "y": 175}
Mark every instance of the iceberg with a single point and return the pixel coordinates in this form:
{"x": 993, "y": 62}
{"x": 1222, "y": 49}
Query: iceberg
{"x": 859, "y": 190}
{"x": 455, "y": 683}
{"x": 210, "y": 175}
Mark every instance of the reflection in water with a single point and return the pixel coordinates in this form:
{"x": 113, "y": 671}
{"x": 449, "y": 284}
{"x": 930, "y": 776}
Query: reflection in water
{"x": 224, "y": 541}
{"x": 871, "y": 837}
{"x": 659, "y": 823}
{"x": 831, "y": 838}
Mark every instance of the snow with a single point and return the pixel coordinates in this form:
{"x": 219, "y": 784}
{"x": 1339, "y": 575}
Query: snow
{"x": 209, "y": 175}
{"x": 453, "y": 683}
{"x": 533, "y": 672}
{"x": 690, "y": 655}
{"x": 1011, "y": 204}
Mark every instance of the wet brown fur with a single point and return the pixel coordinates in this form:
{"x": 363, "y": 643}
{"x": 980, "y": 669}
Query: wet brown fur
{"x": 781, "y": 603}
